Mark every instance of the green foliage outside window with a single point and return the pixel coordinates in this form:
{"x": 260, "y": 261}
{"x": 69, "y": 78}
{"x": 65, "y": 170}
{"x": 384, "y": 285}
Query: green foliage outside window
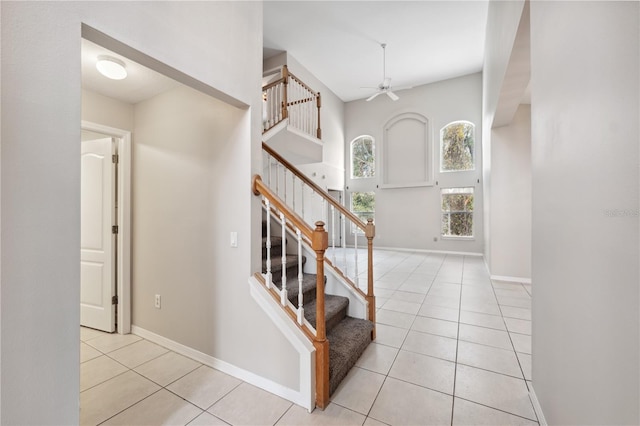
{"x": 457, "y": 212}
{"x": 363, "y": 205}
{"x": 363, "y": 158}
{"x": 456, "y": 145}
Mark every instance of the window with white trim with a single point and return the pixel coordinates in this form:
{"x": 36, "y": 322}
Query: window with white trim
{"x": 457, "y": 212}
{"x": 457, "y": 147}
{"x": 363, "y": 157}
{"x": 363, "y": 205}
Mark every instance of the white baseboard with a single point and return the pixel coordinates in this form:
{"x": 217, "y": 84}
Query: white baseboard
{"x": 225, "y": 367}
{"x": 463, "y": 253}
{"x": 536, "y": 406}
{"x": 520, "y": 280}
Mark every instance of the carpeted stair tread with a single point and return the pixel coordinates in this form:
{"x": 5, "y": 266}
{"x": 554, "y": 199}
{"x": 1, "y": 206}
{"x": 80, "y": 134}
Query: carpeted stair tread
{"x": 308, "y": 288}
{"x": 335, "y": 310}
{"x": 347, "y": 341}
{"x": 276, "y": 265}
{"x": 275, "y": 241}
{"x": 276, "y": 247}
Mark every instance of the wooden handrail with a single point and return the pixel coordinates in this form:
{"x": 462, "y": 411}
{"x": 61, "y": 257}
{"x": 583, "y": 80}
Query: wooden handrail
{"x": 302, "y": 84}
{"x": 273, "y": 84}
{"x": 353, "y": 218}
{"x": 260, "y": 188}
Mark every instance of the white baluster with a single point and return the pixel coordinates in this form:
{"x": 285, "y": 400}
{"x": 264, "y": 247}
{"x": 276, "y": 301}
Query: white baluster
{"x": 283, "y": 293}
{"x": 344, "y": 245}
{"x": 324, "y": 210}
{"x": 284, "y": 183}
{"x": 356, "y": 251}
{"x": 271, "y": 98}
{"x": 302, "y": 199}
{"x": 269, "y": 178}
{"x": 268, "y": 277}
{"x": 293, "y": 191}
{"x": 277, "y": 178}
{"x": 300, "y": 277}
{"x": 333, "y": 234}
{"x": 308, "y": 120}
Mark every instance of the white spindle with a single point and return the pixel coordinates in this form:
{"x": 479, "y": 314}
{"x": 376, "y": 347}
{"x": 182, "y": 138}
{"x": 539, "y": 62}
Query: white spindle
{"x": 269, "y": 277}
{"x": 355, "y": 280}
{"x": 344, "y": 245}
{"x": 283, "y": 293}
{"x": 302, "y": 199}
{"x": 272, "y": 99}
{"x": 324, "y": 209}
{"x": 333, "y": 234}
{"x": 269, "y": 165}
{"x": 284, "y": 183}
{"x": 293, "y": 191}
{"x": 300, "y": 277}
{"x": 277, "y": 178}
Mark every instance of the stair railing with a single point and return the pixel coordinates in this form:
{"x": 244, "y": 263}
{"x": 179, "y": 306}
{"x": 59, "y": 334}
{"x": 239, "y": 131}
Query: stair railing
{"x": 318, "y": 240}
{"x": 310, "y": 202}
{"x": 288, "y": 97}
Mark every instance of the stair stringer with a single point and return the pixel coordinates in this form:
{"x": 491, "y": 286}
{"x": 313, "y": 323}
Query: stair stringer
{"x": 305, "y": 396}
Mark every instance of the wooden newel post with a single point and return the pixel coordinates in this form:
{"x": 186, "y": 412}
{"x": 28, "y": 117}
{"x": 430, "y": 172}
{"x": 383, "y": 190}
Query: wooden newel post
{"x": 319, "y": 244}
{"x": 319, "y": 104}
{"x": 370, "y": 232}
{"x": 285, "y": 76}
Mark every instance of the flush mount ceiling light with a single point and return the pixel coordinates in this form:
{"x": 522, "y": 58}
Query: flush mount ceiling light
{"x": 111, "y": 67}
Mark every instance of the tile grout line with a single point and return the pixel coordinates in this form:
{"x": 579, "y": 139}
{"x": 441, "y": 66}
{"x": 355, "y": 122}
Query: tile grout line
{"x": 386, "y": 376}
{"x": 455, "y": 370}
{"x": 516, "y": 355}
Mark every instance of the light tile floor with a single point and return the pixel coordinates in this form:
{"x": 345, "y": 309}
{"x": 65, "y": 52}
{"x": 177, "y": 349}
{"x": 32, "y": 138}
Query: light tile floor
{"x": 452, "y": 348}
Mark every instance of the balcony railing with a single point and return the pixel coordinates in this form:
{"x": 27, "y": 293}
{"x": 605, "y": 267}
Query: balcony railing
{"x": 290, "y": 98}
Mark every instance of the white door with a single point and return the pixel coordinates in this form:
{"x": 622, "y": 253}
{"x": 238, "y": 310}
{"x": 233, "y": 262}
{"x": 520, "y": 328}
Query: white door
{"x": 97, "y": 241}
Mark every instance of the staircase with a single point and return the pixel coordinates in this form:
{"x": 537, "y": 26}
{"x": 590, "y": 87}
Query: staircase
{"x": 348, "y": 337}
{"x": 324, "y": 312}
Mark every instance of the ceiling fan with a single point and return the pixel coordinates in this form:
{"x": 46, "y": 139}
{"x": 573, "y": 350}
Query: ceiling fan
{"x": 385, "y": 85}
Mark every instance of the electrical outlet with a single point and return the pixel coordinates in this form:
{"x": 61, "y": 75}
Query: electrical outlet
{"x": 234, "y": 239}
{"x": 157, "y": 301}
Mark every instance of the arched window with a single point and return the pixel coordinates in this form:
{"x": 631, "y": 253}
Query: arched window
{"x": 363, "y": 157}
{"x": 457, "y": 147}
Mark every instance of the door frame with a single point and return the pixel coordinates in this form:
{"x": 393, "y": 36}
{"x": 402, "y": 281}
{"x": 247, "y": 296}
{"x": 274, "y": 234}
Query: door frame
{"x": 123, "y": 257}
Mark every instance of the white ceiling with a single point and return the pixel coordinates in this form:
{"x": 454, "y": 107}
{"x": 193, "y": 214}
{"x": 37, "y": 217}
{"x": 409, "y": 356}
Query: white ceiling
{"x": 339, "y": 41}
{"x": 140, "y": 84}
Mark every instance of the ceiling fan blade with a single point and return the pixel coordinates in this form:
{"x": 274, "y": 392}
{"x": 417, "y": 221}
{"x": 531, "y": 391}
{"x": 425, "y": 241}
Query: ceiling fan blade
{"x": 370, "y": 98}
{"x": 369, "y": 88}
{"x": 402, "y": 87}
{"x": 392, "y": 95}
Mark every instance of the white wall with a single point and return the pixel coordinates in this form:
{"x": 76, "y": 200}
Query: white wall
{"x": 217, "y": 43}
{"x": 107, "y": 111}
{"x": 411, "y": 217}
{"x": 503, "y": 19}
{"x": 511, "y": 197}
{"x": 584, "y": 115}
{"x": 185, "y": 204}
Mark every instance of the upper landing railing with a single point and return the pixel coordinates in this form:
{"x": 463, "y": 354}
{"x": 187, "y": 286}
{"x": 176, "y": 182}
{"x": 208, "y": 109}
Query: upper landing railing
{"x": 289, "y": 98}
